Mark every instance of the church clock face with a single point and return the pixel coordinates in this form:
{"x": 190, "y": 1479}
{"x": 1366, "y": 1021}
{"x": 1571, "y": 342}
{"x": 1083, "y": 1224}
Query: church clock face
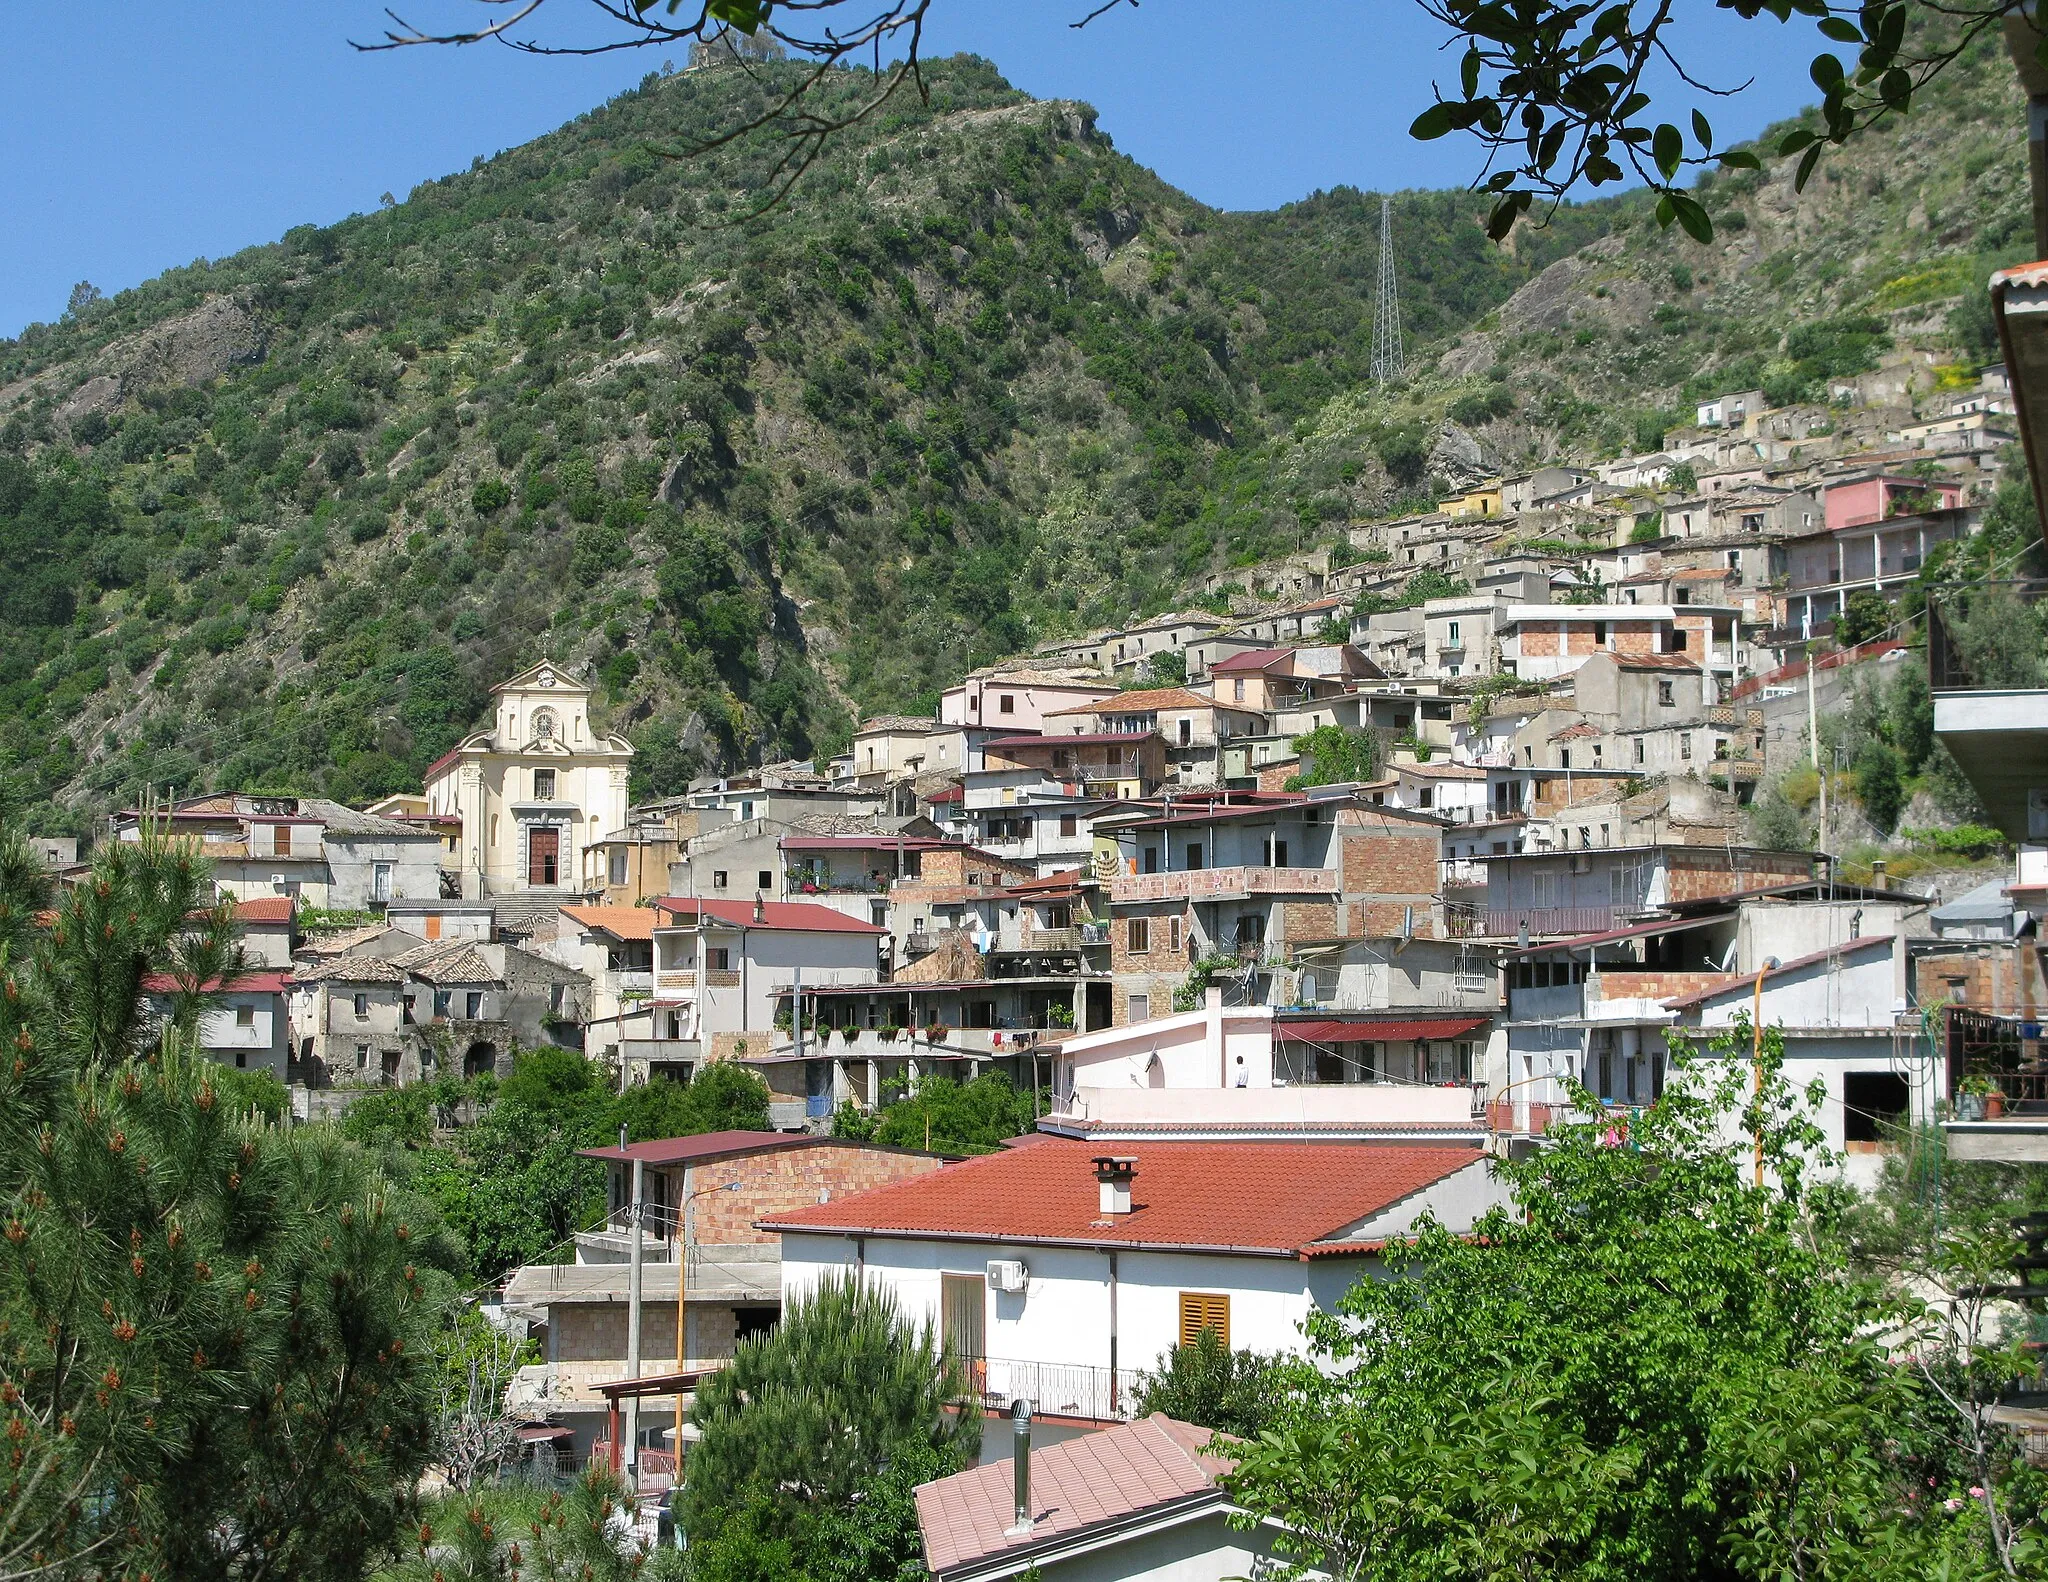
{"x": 547, "y": 678}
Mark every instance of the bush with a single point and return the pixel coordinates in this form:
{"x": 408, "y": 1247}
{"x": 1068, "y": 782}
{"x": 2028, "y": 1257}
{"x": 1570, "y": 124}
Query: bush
{"x": 490, "y": 496}
{"x": 1233, "y": 1392}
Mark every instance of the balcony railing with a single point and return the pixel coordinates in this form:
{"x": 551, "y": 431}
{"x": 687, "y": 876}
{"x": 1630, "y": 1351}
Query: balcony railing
{"x": 1198, "y": 884}
{"x": 1060, "y": 1389}
{"x": 1465, "y": 872}
{"x": 1504, "y": 922}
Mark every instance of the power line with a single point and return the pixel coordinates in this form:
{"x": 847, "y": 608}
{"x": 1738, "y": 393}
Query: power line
{"x": 1386, "y": 311}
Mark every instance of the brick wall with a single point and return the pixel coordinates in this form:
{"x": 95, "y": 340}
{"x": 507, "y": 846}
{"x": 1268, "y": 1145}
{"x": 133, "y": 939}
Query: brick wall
{"x": 1155, "y": 972}
{"x": 1658, "y": 985}
{"x": 1994, "y": 978}
{"x": 1695, "y": 875}
{"x": 1309, "y": 920}
{"x": 1397, "y": 860}
{"x": 771, "y": 1183}
{"x": 596, "y": 1332}
{"x": 1274, "y": 777}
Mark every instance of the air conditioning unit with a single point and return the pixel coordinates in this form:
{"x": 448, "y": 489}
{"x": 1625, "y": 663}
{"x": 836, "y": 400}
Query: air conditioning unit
{"x": 1006, "y": 1274}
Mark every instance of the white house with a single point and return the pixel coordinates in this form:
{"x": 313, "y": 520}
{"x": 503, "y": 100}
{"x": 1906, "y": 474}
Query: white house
{"x": 1059, "y": 1267}
{"x": 246, "y": 1028}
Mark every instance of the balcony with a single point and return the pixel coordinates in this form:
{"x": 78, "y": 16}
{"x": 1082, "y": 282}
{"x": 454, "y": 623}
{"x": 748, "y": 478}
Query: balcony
{"x": 1222, "y": 884}
{"x": 630, "y": 982}
{"x": 1999, "y": 1083}
{"x": 1463, "y": 873}
{"x": 661, "y": 1049}
{"x": 1560, "y": 921}
{"x": 1059, "y": 1389}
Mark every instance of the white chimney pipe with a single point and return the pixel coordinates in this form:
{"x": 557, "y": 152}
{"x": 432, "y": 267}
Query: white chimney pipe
{"x": 1113, "y": 1184}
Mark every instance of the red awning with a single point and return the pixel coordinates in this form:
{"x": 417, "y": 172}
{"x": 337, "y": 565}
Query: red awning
{"x": 1422, "y": 1031}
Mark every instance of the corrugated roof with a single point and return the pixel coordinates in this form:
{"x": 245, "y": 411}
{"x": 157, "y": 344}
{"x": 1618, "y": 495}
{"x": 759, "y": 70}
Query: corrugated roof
{"x": 621, "y": 922}
{"x": 1133, "y": 1469}
{"x": 1257, "y": 1198}
{"x": 794, "y": 916}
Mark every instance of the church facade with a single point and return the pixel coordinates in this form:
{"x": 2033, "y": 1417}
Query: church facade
{"x": 536, "y": 791}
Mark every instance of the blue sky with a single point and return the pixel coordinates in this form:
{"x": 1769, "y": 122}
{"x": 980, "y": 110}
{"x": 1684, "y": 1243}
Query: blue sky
{"x": 134, "y": 138}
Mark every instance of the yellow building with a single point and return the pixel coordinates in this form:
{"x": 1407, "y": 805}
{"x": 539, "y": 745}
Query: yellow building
{"x": 1482, "y": 501}
{"x": 536, "y": 792}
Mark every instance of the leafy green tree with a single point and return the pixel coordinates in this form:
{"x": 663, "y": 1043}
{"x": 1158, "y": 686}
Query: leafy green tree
{"x": 1167, "y": 669}
{"x": 1684, "y": 479}
{"x": 1878, "y": 785}
{"x": 1331, "y": 755}
{"x": 806, "y": 1418}
{"x": 948, "y": 1116}
{"x": 1866, "y": 616}
{"x": 1235, "y": 1392}
{"x": 1775, "y": 823}
{"x": 1655, "y": 1365}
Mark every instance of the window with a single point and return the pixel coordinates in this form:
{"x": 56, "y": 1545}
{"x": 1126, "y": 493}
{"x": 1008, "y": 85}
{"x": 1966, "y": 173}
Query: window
{"x": 362, "y": 1007}
{"x": 1675, "y": 644}
{"x": 1452, "y": 640}
{"x": 1193, "y": 853}
{"x": 1150, "y": 861}
{"x": 1069, "y": 824}
{"x": 543, "y": 785}
{"x": 718, "y": 879}
{"x": 1274, "y": 851}
{"x": 444, "y": 1000}
{"x": 1564, "y": 758}
{"x": 1200, "y": 1310}
{"x": 1600, "y": 633}
{"x": 1138, "y": 935}
{"x": 1140, "y": 1008}
{"x": 1685, "y": 745}
{"x": 1640, "y": 752}
{"x": 245, "y": 1016}
{"x": 1606, "y": 836}
{"x": 618, "y": 867}
{"x": 1187, "y": 732}
{"x": 380, "y": 881}
{"x": 1666, "y": 697}
{"x": 281, "y": 840}
{"x": 1237, "y": 690}
{"x": 1060, "y": 915}
{"x": 1007, "y": 704}
{"x": 473, "y": 1005}
{"x": 362, "y": 1056}
{"x": 1173, "y": 935}
{"x": 763, "y": 879}
{"x": 717, "y": 958}
{"x": 544, "y": 730}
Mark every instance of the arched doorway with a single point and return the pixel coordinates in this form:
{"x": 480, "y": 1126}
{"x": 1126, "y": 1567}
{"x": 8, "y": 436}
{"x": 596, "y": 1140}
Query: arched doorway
{"x": 482, "y": 1060}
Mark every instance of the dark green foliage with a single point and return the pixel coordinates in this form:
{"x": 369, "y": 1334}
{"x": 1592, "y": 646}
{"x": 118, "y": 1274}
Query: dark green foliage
{"x": 186, "y": 1289}
{"x": 947, "y": 1116}
{"x": 1235, "y": 1392}
{"x": 1878, "y": 784}
{"x": 804, "y": 1421}
{"x": 1331, "y": 755}
{"x": 1867, "y": 616}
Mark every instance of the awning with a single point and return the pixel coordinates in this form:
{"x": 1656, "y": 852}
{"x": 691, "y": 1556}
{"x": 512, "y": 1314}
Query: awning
{"x": 1425, "y": 1030}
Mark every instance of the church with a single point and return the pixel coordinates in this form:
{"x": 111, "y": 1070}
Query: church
{"x": 536, "y": 791}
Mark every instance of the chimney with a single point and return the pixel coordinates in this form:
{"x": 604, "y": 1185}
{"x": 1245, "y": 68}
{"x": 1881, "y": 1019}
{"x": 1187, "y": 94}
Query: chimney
{"x": 1020, "y": 1430}
{"x": 1113, "y": 1180}
{"x": 1877, "y": 873}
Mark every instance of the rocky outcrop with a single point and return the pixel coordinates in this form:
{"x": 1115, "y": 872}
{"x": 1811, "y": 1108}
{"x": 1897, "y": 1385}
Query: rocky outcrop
{"x": 219, "y": 335}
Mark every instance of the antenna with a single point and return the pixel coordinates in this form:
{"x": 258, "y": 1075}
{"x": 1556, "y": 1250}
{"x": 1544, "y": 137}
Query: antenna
{"x": 1386, "y": 309}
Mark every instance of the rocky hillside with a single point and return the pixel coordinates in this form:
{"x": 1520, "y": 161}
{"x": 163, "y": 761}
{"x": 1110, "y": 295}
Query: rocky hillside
{"x": 279, "y": 520}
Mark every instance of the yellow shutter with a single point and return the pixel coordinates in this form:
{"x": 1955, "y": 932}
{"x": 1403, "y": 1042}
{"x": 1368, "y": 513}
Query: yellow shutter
{"x": 1201, "y": 1310}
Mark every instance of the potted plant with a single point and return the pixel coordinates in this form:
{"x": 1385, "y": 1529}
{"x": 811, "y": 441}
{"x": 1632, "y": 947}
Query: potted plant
{"x": 1974, "y": 1096}
{"x": 849, "y": 1032}
{"x": 887, "y": 1032}
{"x": 935, "y": 1033}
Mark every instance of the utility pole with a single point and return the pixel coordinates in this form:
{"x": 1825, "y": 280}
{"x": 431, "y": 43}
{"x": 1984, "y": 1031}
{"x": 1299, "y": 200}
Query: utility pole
{"x": 1813, "y": 738}
{"x": 1386, "y": 310}
{"x": 633, "y": 1279}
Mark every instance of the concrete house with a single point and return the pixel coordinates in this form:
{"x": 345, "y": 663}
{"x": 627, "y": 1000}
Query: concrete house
{"x": 1019, "y": 700}
{"x": 1193, "y": 727}
{"x": 703, "y": 1197}
{"x": 248, "y": 1029}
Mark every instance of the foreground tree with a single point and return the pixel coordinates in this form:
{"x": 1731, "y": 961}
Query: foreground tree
{"x": 214, "y": 1334}
{"x": 1554, "y": 93}
{"x": 843, "y": 1407}
{"x": 1653, "y": 1367}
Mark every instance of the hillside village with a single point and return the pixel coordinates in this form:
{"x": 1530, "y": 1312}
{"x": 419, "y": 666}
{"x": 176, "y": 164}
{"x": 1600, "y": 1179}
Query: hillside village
{"x": 1286, "y": 923}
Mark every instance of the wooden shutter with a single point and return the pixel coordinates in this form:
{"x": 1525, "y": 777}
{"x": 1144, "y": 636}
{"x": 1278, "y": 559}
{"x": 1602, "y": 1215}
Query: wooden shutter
{"x": 1200, "y": 1310}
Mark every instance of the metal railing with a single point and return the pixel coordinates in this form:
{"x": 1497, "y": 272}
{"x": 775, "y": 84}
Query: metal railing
{"x": 1058, "y": 1389}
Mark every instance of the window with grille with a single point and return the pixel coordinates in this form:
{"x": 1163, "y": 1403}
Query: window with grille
{"x": 1200, "y": 1310}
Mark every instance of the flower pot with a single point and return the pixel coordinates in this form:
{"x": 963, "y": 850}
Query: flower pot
{"x": 1994, "y": 1105}
{"x": 1970, "y": 1106}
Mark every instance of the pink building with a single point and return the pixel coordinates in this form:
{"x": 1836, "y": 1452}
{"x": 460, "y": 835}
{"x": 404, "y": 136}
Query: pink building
{"x": 1858, "y": 501}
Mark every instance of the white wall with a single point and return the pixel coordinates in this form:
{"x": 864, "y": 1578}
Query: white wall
{"x": 1196, "y": 1049}
{"x": 1063, "y": 1317}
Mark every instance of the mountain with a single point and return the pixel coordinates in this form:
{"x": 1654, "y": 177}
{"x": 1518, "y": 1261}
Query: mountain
{"x": 279, "y": 520}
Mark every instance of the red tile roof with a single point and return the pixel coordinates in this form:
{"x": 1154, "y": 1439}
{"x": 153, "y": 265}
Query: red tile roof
{"x": 1140, "y": 702}
{"x": 1133, "y": 1469}
{"x": 1081, "y": 738}
{"x": 792, "y": 916}
{"x": 265, "y": 909}
{"x": 621, "y": 922}
{"x": 1261, "y": 1198}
